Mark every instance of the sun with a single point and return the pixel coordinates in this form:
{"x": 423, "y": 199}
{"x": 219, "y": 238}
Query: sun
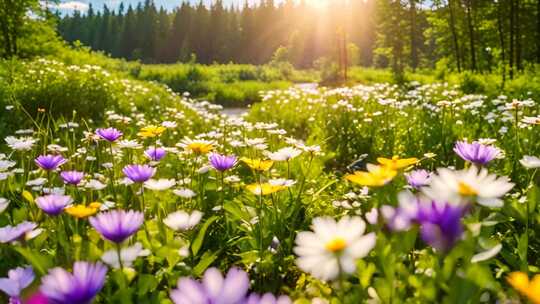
{"x": 320, "y": 4}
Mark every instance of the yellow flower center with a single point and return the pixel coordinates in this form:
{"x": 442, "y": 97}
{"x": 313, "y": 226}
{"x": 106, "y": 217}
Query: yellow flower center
{"x": 466, "y": 190}
{"x": 336, "y": 245}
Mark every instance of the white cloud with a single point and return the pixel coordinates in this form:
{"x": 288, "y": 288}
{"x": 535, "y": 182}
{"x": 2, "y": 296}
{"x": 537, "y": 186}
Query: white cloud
{"x": 72, "y": 6}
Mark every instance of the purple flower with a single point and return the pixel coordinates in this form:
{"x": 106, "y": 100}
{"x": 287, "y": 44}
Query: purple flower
{"x": 418, "y": 178}
{"x": 17, "y": 280}
{"x": 222, "y": 162}
{"x": 117, "y": 225}
{"x": 266, "y": 298}
{"x": 50, "y": 162}
{"x": 155, "y": 154}
{"x": 62, "y": 287}
{"x": 72, "y": 177}
{"x": 53, "y": 204}
{"x": 37, "y": 298}
{"x": 213, "y": 288}
{"x": 109, "y": 134}
{"x": 476, "y": 152}
{"x": 139, "y": 173}
{"x": 13, "y": 233}
{"x": 440, "y": 224}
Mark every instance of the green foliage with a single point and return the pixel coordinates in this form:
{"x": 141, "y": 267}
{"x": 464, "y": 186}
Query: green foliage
{"x": 61, "y": 90}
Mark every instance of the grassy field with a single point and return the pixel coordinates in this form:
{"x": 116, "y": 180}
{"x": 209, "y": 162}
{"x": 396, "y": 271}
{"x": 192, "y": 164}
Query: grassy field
{"x": 378, "y": 191}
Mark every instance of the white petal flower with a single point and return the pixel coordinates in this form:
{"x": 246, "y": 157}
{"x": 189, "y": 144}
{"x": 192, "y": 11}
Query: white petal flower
{"x": 4, "y": 203}
{"x": 468, "y": 185}
{"x": 486, "y": 255}
{"x": 284, "y": 154}
{"x": 184, "y": 192}
{"x": 333, "y": 246}
{"x": 20, "y": 144}
{"x": 159, "y": 184}
{"x": 181, "y": 220}
{"x": 128, "y": 255}
{"x": 530, "y": 162}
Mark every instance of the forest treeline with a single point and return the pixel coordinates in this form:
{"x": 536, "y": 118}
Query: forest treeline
{"x": 500, "y": 36}
{"x": 467, "y": 34}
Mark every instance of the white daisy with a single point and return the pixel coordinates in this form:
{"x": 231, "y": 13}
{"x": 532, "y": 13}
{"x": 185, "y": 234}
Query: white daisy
{"x": 4, "y": 203}
{"x": 159, "y": 184}
{"x": 181, "y": 220}
{"x": 468, "y": 185}
{"x": 21, "y": 143}
{"x": 530, "y": 162}
{"x": 6, "y": 164}
{"x": 129, "y": 144}
{"x": 282, "y": 182}
{"x": 128, "y": 255}
{"x": 184, "y": 192}
{"x": 284, "y": 154}
{"x": 333, "y": 246}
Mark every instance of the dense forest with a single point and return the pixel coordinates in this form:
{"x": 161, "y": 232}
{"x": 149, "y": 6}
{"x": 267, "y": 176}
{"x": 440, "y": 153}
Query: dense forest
{"x": 466, "y": 34}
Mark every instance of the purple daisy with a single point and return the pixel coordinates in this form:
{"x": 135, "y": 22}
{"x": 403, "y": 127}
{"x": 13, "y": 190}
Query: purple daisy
{"x": 155, "y": 154}
{"x": 62, "y": 287}
{"x": 476, "y": 152}
{"x": 109, "y": 134}
{"x": 117, "y": 225}
{"x": 13, "y": 233}
{"x": 418, "y": 178}
{"x": 222, "y": 162}
{"x": 72, "y": 177}
{"x": 37, "y": 298}
{"x": 53, "y": 204}
{"x": 139, "y": 173}
{"x": 50, "y": 162}
{"x": 266, "y": 298}
{"x": 440, "y": 224}
{"x": 17, "y": 280}
{"x": 213, "y": 288}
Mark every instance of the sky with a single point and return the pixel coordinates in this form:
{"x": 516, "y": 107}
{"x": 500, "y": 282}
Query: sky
{"x": 67, "y": 6}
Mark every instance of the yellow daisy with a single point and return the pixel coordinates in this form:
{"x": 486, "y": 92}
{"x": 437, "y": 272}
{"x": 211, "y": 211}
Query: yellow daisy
{"x": 529, "y": 288}
{"x": 376, "y": 176}
{"x": 82, "y": 211}
{"x": 396, "y": 163}
{"x": 265, "y": 188}
{"x": 151, "y": 131}
{"x": 258, "y": 164}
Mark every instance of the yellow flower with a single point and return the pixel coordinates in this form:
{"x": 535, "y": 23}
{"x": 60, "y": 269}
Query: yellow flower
{"x": 200, "y": 147}
{"x": 265, "y": 188}
{"x": 151, "y": 131}
{"x": 396, "y": 163}
{"x": 258, "y": 164}
{"x": 529, "y": 288}
{"x": 376, "y": 176}
{"x": 82, "y": 211}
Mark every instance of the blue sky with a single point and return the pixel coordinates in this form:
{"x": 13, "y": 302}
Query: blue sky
{"x": 67, "y": 6}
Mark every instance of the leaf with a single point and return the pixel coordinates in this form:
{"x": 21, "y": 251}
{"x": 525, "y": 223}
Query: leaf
{"x": 146, "y": 283}
{"x": 197, "y": 243}
{"x": 207, "y": 259}
{"x": 40, "y": 262}
{"x": 237, "y": 212}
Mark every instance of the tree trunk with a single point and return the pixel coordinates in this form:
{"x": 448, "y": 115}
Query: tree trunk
{"x": 501, "y": 40}
{"x": 512, "y": 35}
{"x": 518, "y": 37}
{"x": 414, "y": 48}
{"x": 538, "y": 31}
{"x": 454, "y": 34}
{"x": 470, "y": 27}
